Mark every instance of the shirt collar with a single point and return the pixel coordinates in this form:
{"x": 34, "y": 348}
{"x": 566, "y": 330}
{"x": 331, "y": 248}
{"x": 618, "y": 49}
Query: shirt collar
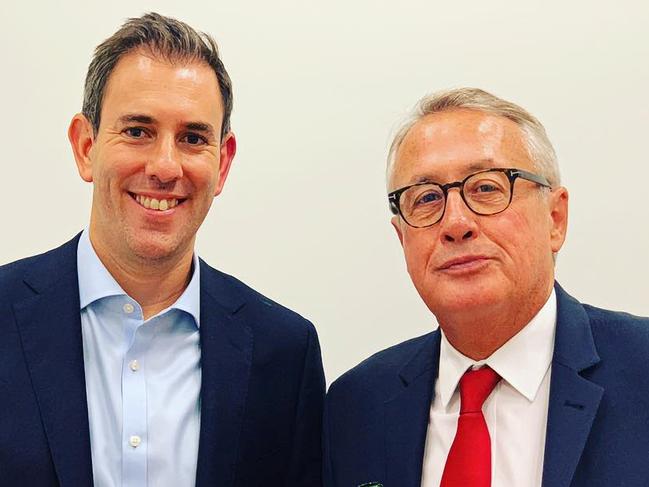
{"x": 95, "y": 282}
{"x": 190, "y": 300}
{"x": 522, "y": 361}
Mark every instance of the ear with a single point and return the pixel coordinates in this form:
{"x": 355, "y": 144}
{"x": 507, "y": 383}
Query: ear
{"x": 396, "y": 224}
{"x": 81, "y": 137}
{"x": 228, "y": 149}
{"x": 559, "y": 217}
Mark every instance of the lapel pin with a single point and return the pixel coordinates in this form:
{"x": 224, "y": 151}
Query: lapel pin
{"x": 371, "y": 484}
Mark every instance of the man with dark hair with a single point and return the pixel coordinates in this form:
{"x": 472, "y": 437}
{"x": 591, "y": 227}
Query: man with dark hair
{"x": 521, "y": 385}
{"x": 125, "y": 360}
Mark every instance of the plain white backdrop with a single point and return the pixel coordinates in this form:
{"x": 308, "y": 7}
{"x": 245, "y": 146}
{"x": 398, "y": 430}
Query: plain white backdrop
{"x": 319, "y": 88}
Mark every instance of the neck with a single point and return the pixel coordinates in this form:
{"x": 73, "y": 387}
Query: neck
{"x": 154, "y": 284}
{"x": 478, "y": 335}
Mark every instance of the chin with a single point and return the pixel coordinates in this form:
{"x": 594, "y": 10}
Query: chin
{"x": 462, "y": 296}
{"x": 154, "y": 247}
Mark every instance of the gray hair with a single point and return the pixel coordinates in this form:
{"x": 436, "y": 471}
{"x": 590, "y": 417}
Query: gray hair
{"x": 168, "y": 38}
{"x": 538, "y": 145}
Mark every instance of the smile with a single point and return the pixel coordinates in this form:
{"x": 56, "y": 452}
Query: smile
{"x": 156, "y": 204}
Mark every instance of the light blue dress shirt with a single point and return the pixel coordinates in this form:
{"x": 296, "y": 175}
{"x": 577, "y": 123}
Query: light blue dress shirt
{"x": 143, "y": 381}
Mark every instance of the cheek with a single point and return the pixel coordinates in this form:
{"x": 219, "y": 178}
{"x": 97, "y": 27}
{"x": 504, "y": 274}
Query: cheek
{"x": 203, "y": 173}
{"x": 418, "y": 247}
{"x": 102, "y": 179}
{"x": 204, "y": 184}
{"x": 524, "y": 240}
{"x": 116, "y": 166}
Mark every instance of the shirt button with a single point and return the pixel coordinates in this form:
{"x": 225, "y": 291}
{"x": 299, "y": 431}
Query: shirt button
{"x": 134, "y": 441}
{"x": 128, "y": 308}
{"x": 134, "y": 365}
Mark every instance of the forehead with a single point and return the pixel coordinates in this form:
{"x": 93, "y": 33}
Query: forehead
{"x": 447, "y": 146}
{"x": 147, "y": 84}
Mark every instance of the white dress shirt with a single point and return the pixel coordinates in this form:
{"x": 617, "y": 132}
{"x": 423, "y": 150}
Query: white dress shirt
{"x": 516, "y": 412}
{"x": 143, "y": 381}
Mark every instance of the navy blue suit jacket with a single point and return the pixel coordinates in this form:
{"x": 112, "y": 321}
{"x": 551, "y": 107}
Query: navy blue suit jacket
{"x": 376, "y": 415}
{"x": 261, "y": 396}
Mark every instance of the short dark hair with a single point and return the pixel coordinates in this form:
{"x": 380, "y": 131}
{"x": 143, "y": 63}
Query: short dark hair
{"x": 165, "y": 37}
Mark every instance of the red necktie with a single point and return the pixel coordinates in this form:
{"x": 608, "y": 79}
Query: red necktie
{"x": 469, "y": 461}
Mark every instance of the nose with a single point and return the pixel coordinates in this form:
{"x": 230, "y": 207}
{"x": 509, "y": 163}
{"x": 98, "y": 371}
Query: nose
{"x": 459, "y": 222}
{"x": 165, "y": 162}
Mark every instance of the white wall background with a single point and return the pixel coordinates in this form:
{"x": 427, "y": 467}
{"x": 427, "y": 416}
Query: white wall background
{"x": 319, "y": 86}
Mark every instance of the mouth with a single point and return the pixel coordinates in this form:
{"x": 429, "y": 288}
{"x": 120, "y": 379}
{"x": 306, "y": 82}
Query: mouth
{"x": 156, "y": 204}
{"x": 465, "y": 263}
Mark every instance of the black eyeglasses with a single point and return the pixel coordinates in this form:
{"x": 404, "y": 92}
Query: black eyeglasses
{"x": 485, "y": 193}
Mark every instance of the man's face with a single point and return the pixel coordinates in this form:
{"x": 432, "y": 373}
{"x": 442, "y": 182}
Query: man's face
{"x": 157, "y": 160}
{"x": 467, "y": 262}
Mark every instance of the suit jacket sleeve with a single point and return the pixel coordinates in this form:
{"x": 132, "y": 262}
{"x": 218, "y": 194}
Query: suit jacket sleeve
{"x": 327, "y": 473}
{"x": 306, "y": 457}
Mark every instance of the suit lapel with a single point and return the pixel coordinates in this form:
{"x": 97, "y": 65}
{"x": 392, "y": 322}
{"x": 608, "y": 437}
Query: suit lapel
{"x": 226, "y": 358}
{"x": 49, "y": 324}
{"x": 406, "y": 416}
{"x": 574, "y": 400}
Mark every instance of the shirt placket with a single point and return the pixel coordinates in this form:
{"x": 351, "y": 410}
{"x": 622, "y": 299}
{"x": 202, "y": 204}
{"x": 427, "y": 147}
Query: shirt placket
{"x": 134, "y": 399}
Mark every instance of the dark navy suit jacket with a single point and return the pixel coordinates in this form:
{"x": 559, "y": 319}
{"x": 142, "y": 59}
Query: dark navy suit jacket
{"x": 376, "y": 415}
{"x": 261, "y": 396}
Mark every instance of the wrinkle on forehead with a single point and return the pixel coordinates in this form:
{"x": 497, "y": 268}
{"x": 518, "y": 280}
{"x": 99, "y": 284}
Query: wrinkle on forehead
{"x": 493, "y": 133}
{"x": 186, "y": 73}
{"x": 146, "y": 62}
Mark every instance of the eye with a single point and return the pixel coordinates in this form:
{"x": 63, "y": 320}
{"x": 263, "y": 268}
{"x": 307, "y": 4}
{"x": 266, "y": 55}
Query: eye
{"x": 135, "y": 132}
{"x": 192, "y": 138}
{"x": 487, "y": 191}
{"x": 486, "y": 188}
{"x": 428, "y": 197}
{"x": 421, "y": 197}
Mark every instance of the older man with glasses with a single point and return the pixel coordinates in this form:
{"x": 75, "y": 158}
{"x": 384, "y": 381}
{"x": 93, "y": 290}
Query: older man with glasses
{"x": 521, "y": 385}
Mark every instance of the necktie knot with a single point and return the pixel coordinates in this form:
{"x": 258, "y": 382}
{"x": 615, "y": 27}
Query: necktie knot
{"x": 475, "y": 387}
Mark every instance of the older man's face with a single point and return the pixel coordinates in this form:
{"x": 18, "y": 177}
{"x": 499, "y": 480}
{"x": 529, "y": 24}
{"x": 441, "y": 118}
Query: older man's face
{"x": 466, "y": 261}
{"x": 157, "y": 161}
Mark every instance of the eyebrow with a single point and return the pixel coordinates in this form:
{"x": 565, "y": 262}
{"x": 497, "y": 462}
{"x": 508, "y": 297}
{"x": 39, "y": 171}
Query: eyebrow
{"x": 481, "y": 165}
{"x": 136, "y": 117}
{"x": 477, "y": 166}
{"x": 200, "y": 127}
{"x": 149, "y": 120}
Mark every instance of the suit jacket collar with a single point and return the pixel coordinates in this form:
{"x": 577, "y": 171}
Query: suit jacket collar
{"x": 574, "y": 400}
{"x": 226, "y": 355}
{"x": 406, "y": 415}
{"x": 49, "y": 324}
{"x": 574, "y": 345}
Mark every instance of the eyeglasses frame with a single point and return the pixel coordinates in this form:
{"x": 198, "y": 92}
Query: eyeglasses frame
{"x": 512, "y": 174}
